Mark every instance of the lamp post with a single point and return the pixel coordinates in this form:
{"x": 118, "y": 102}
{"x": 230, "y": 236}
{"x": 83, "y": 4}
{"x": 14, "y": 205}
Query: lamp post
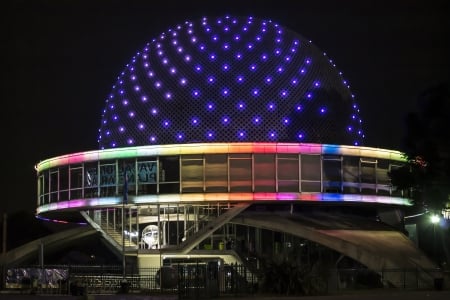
{"x": 434, "y": 220}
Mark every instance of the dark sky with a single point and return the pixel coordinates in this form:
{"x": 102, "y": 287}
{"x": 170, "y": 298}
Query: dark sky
{"x": 62, "y": 58}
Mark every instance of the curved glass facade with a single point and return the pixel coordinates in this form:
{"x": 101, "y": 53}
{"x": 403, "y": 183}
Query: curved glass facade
{"x": 218, "y": 172}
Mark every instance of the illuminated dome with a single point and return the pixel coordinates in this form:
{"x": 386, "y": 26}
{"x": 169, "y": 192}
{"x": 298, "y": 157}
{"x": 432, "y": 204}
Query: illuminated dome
{"x": 230, "y": 79}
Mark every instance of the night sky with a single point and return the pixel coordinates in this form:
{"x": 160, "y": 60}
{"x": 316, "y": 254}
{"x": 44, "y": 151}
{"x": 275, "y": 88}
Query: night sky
{"x": 62, "y": 58}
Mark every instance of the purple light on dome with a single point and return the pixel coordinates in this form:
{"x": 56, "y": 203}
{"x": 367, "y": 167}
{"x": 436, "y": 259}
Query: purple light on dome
{"x": 264, "y": 57}
{"x": 152, "y": 139}
{"x": 137, "y": 88}
{"x": 286, "y": 121}
{"x": 131, "y": 114}
{"x": 272, "y": 135}
{"x": 238, "y": 56}
{"x": 237, "y": 37}
{"x": 202, "y": 47}
{"x": 257, "y": 120}
{"x": 141, "y": 126}
{"x": 300, "y": 136}
{"x": 168, "y": 95}
{"x": 125, "y": 102}
{"x": 240, "y": 79}
{"x": 157, "y": 84}
{"x": 225, "y": 120}
{"x": 349, "y": 128}
{"x": 211, "y": 79}
{"x": 121, "y": 129}
{"x": 302, "y": 71}
{"x": 183, "y": 81}
{"x": 255, "y": 92}
{"x": 187, "y": 58}
{"x": 195, "y": 121}
{"x": 241, "y": 134}
{"x": 268, "y": 80}
{"x": 277, "y": 51}
{"x": 198, "y": 68}
{"x": 195, "y": 93}
{"x": 115, "y": 118}
{"x": 271, "y": 106}
{"x": 241, "y": 105}
{"x": 298, "y": 107}
{"x": 225, "y": 67}
{"x": 166, "y": 123}
{"x": 309, "y": 95}
{"x": 308, "y": 61}
{"x": 209, "y": 135}
{"x": 316, "y": 84}
{"x": 294, "y": 81}
{"x": 173, "y": 70}
{"x": 253, "y": 67}
{"x": 284, "y": 94}
{"x": 225, "y": 92}
{"x": 280, "y": 69}
{"x": 193, "y": 39}
{"x": 212, "y": 56}
{"x": 250, "y": 46}
{"x": 130, "y": 141}
{"x": 180, "y": 136}
{"x": 323, "y": 110}
{"x": 121, "y": 92}
{"x": 210, "y": 106}
{"x": 133, "y": 77}
{"x": 150, "y": 74}
{"x": 287, "y": 58}
{"x": 226, "y": 47}
{"x": 154, "y": 111}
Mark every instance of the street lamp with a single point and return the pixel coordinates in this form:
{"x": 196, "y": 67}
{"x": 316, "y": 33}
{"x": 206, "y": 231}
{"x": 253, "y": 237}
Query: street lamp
{"x": 434, "y": 220}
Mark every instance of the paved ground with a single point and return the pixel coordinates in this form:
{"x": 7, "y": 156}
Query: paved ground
{"x": 355, "y": 295}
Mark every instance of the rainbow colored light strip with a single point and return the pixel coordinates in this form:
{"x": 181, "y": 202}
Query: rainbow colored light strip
{"x": 220, "y": 197}
{"x": 216, "y": 148}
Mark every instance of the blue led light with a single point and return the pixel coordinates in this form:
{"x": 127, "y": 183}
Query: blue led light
{"x": 230, "y": 72}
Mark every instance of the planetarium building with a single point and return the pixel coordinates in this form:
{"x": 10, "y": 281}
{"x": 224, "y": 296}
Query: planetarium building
{"x": 231, "y": 139}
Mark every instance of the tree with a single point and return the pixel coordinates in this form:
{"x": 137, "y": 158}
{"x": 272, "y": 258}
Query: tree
{"x": 427, "y": 149}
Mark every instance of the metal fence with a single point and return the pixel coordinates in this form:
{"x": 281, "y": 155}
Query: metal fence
{"x": 196, "y": 281}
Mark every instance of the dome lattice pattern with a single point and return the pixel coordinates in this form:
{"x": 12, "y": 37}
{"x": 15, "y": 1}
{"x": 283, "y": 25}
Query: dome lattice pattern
{"x": 230, "y": 79}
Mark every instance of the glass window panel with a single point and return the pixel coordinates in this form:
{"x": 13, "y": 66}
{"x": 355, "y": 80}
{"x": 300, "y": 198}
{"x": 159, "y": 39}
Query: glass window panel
{"x": 64, "y": 178}
{"x": 332, "y": 174}
{"x": 76, "y": 178}
{"x": 368, "y": 171}
{"x": 108, "y": 174}
{"x": 241, "y": 174}
{"x": 53, "y": 186}
{"x": 147, "y": 172}
{"x": 264, "y": 165}
{"x": 310, "y": 187}
{"x": 216, "y": 173}
{"x": 169, "y": 169}
{"x": 288, "y": 168}
{"x": 310, "y": 166}
{"x": 127, "y": 168}
{"x": 191, "y": 174}
{"x": 350, "y": 173}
